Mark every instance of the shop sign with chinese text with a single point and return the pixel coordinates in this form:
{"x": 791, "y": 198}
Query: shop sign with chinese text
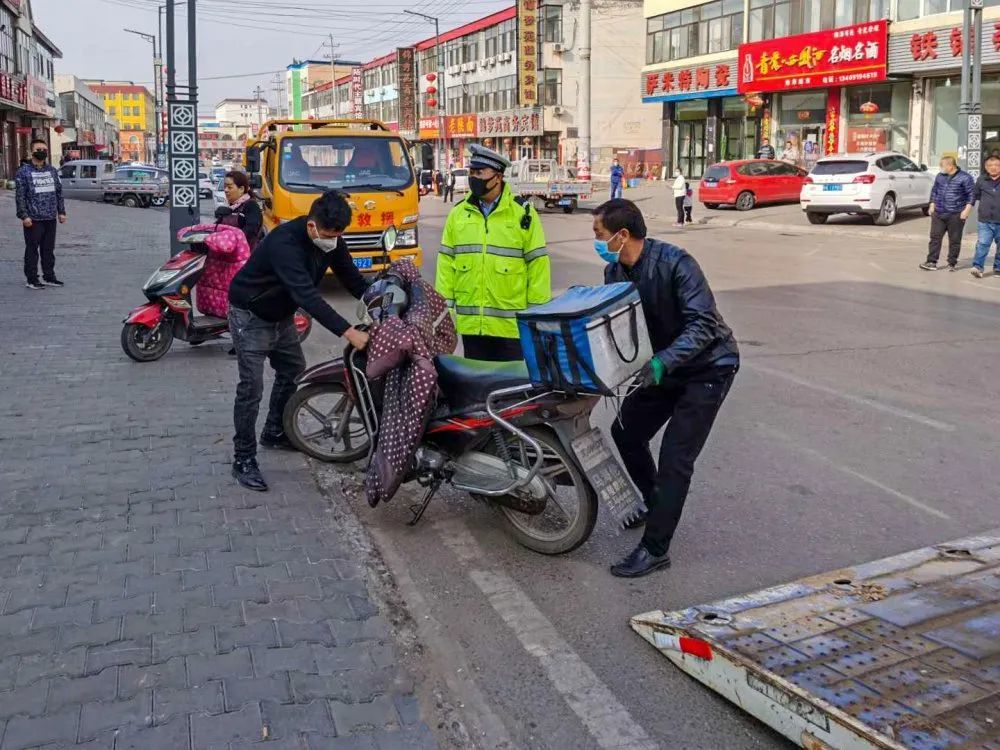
{"x": 527, "y": 52}
{"x": 37, "y": 97}
{"x": 357, "y": 93}
{"x": 13, "y": 91}
{"x": 866, "y": 140}
{"x": 428, "y": 127}
{"x": 406, "y": 76}
{"x": 939, "y": 49}
{"x": 460, "y": 126}
{"x": 717, "y": 79}
{"x": 835, "y": 57}
{"x": 514, "y": 122}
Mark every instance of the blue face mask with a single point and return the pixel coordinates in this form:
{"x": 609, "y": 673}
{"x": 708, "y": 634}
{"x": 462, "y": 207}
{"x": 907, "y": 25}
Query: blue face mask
{"x": 601, "y": 246}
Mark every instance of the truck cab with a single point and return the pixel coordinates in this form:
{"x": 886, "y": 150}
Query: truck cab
{"x": 292, "y": 162}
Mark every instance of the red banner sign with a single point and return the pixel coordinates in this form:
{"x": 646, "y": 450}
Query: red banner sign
{"x": 832, "y": 121}
{"x": 836, "y": 57}
{"x": 679, "y": 81}
{"x": 866, "y": 140}
{"x": 13, "y": 90}
{"x": 461, "y": 126}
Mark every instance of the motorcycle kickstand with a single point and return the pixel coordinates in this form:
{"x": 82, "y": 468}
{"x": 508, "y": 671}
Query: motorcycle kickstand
{"x": 418, "y": 510}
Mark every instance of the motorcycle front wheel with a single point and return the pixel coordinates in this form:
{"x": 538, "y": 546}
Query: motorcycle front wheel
{"x": 140, "y": 345}
{"x": 571, "y": 507}
{"x": 324, "y": 422}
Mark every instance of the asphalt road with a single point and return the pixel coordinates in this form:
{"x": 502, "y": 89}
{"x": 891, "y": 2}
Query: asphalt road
{"x": 862, "y": 424}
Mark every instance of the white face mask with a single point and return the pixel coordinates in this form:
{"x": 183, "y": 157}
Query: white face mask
{"x": 326, "y": 244}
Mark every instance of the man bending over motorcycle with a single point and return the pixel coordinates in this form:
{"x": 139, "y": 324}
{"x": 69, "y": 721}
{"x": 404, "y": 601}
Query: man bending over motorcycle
{"x": 283, "y": 274}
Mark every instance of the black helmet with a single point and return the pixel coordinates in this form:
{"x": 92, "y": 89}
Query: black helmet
{"x": 385, "y": 297}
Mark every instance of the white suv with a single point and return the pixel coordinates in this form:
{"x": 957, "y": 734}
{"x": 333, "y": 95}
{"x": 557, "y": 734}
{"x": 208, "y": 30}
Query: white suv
{"x": 877, "y": 184}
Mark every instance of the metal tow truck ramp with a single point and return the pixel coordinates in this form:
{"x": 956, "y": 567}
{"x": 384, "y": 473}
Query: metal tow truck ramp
{"x": 898, "y": 653}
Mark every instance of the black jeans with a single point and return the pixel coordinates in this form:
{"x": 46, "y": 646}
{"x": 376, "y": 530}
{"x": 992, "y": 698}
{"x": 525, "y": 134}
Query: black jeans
{"x": 690, "y": 403}
{"x": 679, "y": 204}
{"x": 40, "y": 239}
{"x": 953, "y": 224}
{"x": 255, "y": 340}
{"x": 492, "y": 348}
{"x": 449, "y": 194}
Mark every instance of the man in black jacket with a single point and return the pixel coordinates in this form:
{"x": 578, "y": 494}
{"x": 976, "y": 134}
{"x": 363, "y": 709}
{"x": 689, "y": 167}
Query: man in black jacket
{"x": 987, "y": 195}
{"x": 283, "y": 274}
{"x": 684, "y": 384}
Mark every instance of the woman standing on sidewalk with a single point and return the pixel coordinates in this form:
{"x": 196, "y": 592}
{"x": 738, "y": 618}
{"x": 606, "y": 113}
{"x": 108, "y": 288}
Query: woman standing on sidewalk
{"x": 680, "y": 191}
{"x": 246, "y": 214}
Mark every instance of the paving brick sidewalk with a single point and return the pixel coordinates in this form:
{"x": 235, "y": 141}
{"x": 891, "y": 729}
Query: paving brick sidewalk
{"x": 145, "y": 600}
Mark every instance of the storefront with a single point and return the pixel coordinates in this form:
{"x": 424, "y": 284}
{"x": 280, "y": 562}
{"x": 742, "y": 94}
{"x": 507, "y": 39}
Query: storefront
{"x": 933, "y": 58}
{"x": 15, "y": 128}
{"x": 826, "y": 92}
{"x": 703, "y": 121}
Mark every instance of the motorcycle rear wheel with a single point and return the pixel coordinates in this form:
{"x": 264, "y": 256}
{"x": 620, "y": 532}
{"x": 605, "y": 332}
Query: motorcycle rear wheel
{"x": 142, "y": 349}
{"x": 571, "y": 508}
{"x": 322, "y": 421}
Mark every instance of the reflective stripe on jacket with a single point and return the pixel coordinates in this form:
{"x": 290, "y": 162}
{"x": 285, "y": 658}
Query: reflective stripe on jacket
{"x": 489, "y": 268}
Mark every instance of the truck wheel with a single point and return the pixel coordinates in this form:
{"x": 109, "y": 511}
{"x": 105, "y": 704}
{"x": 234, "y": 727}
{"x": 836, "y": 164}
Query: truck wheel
{"x": 131, "y": 201}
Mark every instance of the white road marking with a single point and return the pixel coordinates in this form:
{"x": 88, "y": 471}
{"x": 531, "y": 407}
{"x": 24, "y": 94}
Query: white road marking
{"x": 860, "y": 400}
{"x": 607, "y": 720}
{"x": 795, "y": 443}
{"x": 876, "y": 266}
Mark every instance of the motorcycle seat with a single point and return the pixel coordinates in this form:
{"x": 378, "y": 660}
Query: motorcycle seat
{"x": 467, "y": 382}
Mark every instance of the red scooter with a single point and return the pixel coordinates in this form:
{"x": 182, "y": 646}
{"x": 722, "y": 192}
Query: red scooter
{"x": 150, "y": 329}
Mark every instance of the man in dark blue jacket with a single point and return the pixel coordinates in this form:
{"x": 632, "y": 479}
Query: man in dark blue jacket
{"x": 682, "y": 386}
{"x": 40, "y": 204}
{"x": 951, "y": 204}
{"x": 987, "y": 195}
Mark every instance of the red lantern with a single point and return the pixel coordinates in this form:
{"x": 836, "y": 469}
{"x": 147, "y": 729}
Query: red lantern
{"x": 431, "y": 77}
{"x": 432, "y": 102}
{"x": 432, "y": 89}
{"x": 869, "y": 108}
{"x": 754, "y": 100}
{"x": 59, "y": 129}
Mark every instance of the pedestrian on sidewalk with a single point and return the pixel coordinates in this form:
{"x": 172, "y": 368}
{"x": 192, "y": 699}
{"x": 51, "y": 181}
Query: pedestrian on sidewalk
{"x": 688, "y": 202}
{"x": 438, "y": 183}
{"x": 987, "y": 195}
{"x": 682, "y": 386}
{"x": 679, "y": 191}
{"x": 951, "y": 204}
{"x": 282, "y": 275}
{"x": 766, "y": 150}
{"x": 617, "y": 177}
{"x": 39, "y": 203}
{"x": 449, "y": 186}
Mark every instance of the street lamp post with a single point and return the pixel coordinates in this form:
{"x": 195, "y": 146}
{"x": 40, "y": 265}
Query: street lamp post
{"x": 442, "y": 91}
{"x": 156, "y": 76}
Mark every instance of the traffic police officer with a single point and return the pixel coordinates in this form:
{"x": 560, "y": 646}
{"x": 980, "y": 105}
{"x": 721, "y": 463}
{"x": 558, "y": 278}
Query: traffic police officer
{"x": 493, "y": 261}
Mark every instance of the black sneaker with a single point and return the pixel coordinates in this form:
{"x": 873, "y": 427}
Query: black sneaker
{"x": 247, "y": 473}
{"x": 639, "y": 562}
{"x": 34, "y": 285}
{"x": 953, "y": 268}
{"x": 278, "y": 440}
{"x": 52, "y": 282}
{"x": 928, "y": 266}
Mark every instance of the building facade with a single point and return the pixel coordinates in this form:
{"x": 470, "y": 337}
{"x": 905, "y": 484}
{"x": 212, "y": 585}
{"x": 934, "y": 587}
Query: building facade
{"x": 133, "y": 107}
{"x": 27, "y": 93}
{"x": 80, "y": 130}
{"x": 817, "y": 77}
{"x": 304, "y": 79}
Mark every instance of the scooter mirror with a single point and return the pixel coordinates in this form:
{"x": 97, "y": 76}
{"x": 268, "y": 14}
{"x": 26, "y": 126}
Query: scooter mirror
{"x": 389, "y": 237}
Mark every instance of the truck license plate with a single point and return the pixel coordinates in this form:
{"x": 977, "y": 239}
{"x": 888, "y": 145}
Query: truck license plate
{"x": 565, "y": 201}
{"x": 614, "y": 489}
{"x": 363, "y": 263}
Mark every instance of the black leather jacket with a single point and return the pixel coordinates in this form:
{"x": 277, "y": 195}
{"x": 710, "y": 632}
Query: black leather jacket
{"x": 685, "y": 327}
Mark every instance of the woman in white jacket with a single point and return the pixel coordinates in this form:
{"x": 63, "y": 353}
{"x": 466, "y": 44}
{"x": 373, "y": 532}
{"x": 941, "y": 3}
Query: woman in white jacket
{"x": 680, "y": 191}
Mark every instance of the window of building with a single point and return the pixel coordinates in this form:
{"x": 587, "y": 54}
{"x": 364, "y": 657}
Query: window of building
{"x": 7, "y": 47}
{"x": 774, "y": 18}
{"x": 550, "y": 24}
{"x": 910, "y": 9}
{"x": 713, "y": 27}
{"x": 550, "y": 87}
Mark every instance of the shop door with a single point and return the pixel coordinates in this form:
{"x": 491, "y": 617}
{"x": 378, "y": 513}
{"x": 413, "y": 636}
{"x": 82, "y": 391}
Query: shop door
{"x": 804, "y": 145}
{"x": 691, "y": 148}
{"x": 739, "y": 137}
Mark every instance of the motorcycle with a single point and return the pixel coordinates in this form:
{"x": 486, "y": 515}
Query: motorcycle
{"x": 493, "y": 434}
{"x": 150, "y": 329}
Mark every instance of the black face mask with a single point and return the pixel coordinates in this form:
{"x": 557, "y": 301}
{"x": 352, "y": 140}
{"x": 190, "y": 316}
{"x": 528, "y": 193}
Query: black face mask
{"x": 479, "y": 187}
{"x": 40, "y": 155}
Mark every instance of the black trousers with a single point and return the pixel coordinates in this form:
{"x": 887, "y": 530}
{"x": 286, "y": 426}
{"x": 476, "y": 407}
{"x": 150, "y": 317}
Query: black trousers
{"x": 40, "y": 239}
{"x": 255, "y": 340}
{"x": 679, "y": 204}
{"x": 688, "y": 405}
{"x": 449, "y": 194}
{"x": 954, "y": 225}
{"x": 492, "y": 348}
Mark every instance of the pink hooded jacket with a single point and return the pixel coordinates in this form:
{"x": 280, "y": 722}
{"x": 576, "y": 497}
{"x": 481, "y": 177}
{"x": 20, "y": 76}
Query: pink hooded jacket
{"x": 228, "y": 251}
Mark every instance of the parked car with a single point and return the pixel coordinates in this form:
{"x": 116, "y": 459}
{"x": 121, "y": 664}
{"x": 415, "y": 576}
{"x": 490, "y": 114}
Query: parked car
{"x": 426, "y": 182}
{"x": 750, "y": 183}
{"x": 877, "y": 184}
{"x": 219, "y": 193}
{"x": 86, "y": 179}
{"x": 461, "y": 179}
{"x": 144, "y": 173}
{"x": 205, "y": 185}
{"x": 218, "y": 172}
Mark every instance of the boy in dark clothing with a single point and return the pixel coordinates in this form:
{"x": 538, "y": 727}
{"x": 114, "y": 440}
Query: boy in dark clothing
{"x": 684, "y": 384}
{"x": 40, "y": 204}
{"x": 951, "y": 204}
{"x": 282, "y": 275}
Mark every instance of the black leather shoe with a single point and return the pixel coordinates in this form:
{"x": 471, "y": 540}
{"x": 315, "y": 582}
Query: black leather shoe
{"x": 639, "y": 562}
{"x": 277, "y": 440}
{"x": 639, "y": 520}
{"x": 247, "y": 473}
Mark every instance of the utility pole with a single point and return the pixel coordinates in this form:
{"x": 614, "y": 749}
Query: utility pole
{"x": 279, "y": 95}
{"x": 333, "y": 72}
{"x": 583, "y": 95}
{"x": 970, "y": 110}
{"x": 260, "y": 117}
{"x": 156, "y": 99}
{"x": 442, "y": 91}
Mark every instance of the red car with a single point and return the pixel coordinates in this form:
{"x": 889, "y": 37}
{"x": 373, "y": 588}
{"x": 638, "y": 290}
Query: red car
{"x": 748, "y": 183}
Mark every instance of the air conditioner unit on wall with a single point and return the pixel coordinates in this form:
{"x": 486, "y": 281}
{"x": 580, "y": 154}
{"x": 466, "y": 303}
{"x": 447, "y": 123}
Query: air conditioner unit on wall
{"x": 558, "y": 110}
{"x": 558, "y": 48}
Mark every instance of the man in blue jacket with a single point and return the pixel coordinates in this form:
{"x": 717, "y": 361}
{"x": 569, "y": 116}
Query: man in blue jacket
{"x": 617, "y": 175}
{"x": 951, "y": 204}
{"x": 987, "y": 195}
{"x": 39, "y": 201}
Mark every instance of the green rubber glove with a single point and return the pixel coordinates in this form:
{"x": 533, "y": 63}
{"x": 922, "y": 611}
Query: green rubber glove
{"x": 652, "y": 374}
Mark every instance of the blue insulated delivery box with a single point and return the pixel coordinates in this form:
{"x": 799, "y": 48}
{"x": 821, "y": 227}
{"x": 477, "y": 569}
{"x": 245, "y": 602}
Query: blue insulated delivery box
{"x": 590, "y": 339}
